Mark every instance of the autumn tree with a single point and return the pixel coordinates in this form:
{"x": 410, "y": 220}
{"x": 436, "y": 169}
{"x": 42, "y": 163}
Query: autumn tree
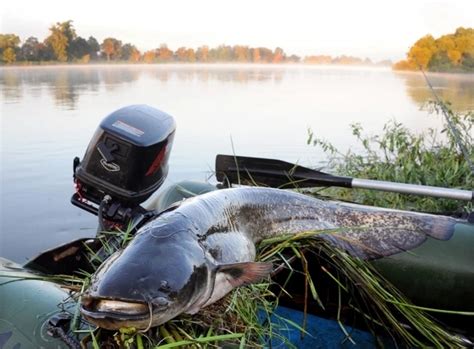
{"x": 9, "y": 55}
{"x": 190, "y": 55}
{"x": 445, "y": 43}
{"x": 8, "y": 47}
{"x": 266, "y": 55}
{"x": 181, "y": 54}
{"x": 465, "y": 43}
{"x": 149, "y": 56}
{"x": 202, "y": 54}
{"x": 135, "y": 56}
{"x": 241, "y": 53}
{"x": 130, "y": 53}
{"x": 224, "y": 53}
{"x": 464, "y": 39}
{"x": 279, "y": 55}
{"x": 448, "y": 52}
{"x": 8, "y": 40}
{"x": 212, "y": 55}
{"x": 61, "y": 36}
{"x": 422, "y": 51}
{"x": 111, "y": 47}
{"x": 256, "y": 55}
{"x": 164, "y": 54}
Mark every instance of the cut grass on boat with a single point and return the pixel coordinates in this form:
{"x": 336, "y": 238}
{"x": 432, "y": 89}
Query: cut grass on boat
{"x": 243, "y": 318}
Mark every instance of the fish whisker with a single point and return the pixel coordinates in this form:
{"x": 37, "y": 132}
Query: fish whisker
{"x": 150, "y": 310}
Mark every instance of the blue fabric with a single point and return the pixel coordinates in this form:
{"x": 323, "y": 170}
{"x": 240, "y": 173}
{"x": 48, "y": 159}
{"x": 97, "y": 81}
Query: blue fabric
{"x": 320, "y": 332}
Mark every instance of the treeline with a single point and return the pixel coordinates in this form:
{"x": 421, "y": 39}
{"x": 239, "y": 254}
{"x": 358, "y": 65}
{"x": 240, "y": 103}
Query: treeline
{"x": 64, "y": 45}
{"x": 451, "y": 52}
{"x": 344, "y": 60}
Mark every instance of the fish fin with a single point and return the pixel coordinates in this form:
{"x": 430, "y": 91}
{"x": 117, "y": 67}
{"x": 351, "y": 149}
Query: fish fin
{"x": 441, "y": 228}
{"x": 230, "y": 276}
{"x": 245, "y": 273}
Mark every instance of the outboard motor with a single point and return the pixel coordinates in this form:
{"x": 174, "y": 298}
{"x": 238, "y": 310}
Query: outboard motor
{"x": 125, "y": 163}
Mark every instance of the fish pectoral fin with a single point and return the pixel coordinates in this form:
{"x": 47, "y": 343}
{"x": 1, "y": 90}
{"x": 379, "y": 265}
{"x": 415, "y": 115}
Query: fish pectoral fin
{"x": 245, "y": 273}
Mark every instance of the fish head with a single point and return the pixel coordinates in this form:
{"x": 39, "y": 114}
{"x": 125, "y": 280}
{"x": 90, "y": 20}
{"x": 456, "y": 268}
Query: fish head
{"x": 154, "y": 279}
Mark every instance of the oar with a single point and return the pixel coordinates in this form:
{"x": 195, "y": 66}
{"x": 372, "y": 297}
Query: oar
{"x": 281, "y": 174}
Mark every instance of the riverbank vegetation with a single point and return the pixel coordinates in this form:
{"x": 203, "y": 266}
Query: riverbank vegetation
{"x": 64, "y": 45}
{"x": 448, "y": 53}
{"x": 440, "y": 158}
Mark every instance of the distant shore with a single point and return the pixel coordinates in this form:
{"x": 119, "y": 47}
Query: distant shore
{"x": 184, "y": 64}
{"x": 103, "y": 62}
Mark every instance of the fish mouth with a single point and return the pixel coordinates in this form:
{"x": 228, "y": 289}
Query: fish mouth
{"x": 113, "y": 314}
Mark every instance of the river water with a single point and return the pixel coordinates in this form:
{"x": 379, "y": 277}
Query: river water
{"x": 48, "y": 115}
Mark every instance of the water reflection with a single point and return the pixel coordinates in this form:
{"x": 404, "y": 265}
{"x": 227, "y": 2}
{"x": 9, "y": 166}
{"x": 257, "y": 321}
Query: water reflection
{"x": 160, "y": 74}
{"x": 224, "y": 73}
{"x": 11, "y": 87}
{"x": 67, "y": 84}
{"x": 113, "y": 78}
{"x": 457, "y": 89}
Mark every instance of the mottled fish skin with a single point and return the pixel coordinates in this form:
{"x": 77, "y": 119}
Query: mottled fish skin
{"x": 364, "y": 231}
{"x": 185, "y": 259}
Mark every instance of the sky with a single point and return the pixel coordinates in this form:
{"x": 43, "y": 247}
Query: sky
{"x": 365, "y": 28}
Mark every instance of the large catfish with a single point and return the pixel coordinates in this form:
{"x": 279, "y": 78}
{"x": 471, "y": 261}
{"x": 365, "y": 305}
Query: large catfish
{"x": 192, "y": 256}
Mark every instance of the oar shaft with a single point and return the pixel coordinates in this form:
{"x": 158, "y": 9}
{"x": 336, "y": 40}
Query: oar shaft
{"x": 414, "y": 189}
{"x": 281, "y": 174}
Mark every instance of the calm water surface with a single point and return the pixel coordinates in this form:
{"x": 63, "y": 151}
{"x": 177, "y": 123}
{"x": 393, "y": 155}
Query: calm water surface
{"x": 48, "y": 115}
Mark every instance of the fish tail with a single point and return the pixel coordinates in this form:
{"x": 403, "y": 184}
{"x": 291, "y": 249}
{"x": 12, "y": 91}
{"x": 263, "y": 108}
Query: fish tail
{"x": 438, "y": 227}
{"x": 370, "y": 234}
{"x": 441, "y": 228}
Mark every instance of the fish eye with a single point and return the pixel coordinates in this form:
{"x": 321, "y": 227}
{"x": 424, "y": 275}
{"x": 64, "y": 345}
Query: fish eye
{"x": 164, "y": 285}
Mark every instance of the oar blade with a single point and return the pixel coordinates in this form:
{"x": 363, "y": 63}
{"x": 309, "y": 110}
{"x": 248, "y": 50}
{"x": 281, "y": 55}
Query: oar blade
{"x": 273, "y": 173}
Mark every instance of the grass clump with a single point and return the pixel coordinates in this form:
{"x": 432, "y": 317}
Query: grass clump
{"x": 382, "y": 306}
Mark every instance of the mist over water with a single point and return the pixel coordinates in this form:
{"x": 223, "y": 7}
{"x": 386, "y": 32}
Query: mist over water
{"x": 49, "y": 114}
